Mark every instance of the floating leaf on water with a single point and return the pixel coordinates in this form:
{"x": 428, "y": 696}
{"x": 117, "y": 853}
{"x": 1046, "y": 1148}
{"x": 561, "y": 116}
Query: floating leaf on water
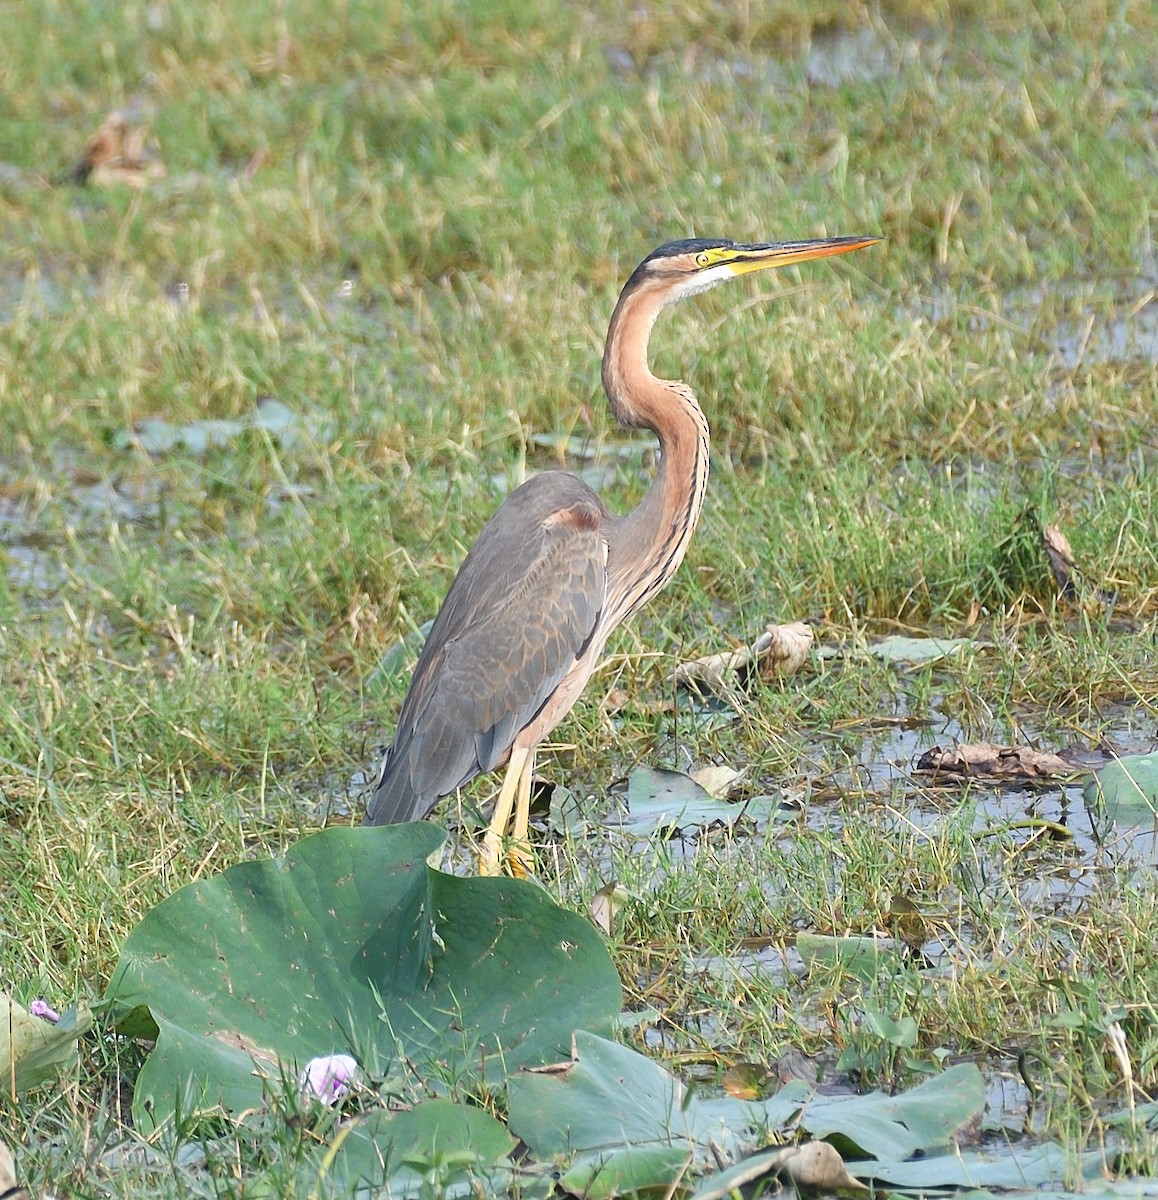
{"x": 351, "y": 943}
{"x": 156, "y": 436}
{"x": 661, "y": 801}
{"x": 1019, "y": 1168}
{"x": 893, "y": 1128}
{"x": 989, "y": 760}
{"x": 618, "y": 1123}
{"x": 919, "y": 651}
{"x": 862, "y": 957}
{"x": 1127, "y": 789}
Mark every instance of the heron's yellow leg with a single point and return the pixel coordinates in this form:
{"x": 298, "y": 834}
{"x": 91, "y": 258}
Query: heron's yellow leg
{"x": 520, "y": 860}
{"x": 493, "y": 841}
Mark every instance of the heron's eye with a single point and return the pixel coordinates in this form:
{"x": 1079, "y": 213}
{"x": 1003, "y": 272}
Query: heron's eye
{"x": 702, "y": 259}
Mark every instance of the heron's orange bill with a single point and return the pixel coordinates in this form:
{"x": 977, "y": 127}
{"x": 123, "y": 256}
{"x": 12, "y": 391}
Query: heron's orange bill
{"x": 742, "y": 259}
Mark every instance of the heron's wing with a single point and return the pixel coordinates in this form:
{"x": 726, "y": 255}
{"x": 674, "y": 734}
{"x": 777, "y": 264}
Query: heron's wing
{"x": 522, "y": 609}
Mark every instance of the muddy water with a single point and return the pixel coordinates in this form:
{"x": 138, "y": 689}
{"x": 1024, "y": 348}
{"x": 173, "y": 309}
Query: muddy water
{"x": 883, "y": 767}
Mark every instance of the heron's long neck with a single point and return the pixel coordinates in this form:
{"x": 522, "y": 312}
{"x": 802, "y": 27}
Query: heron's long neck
{"x": 654, "y": 537}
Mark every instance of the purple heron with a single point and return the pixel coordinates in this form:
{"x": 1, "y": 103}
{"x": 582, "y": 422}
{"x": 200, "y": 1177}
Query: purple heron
{"x": 554, "y": 571}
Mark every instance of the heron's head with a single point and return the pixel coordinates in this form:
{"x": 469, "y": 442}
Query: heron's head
{"x": 683, "y": 268}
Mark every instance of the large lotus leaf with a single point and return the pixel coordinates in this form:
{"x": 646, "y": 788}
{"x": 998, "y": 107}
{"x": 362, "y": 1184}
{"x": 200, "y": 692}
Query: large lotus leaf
{"x": 351, "y": 943}
{"x": 34, "y": 1050}
{"x": 438, "y": 1148}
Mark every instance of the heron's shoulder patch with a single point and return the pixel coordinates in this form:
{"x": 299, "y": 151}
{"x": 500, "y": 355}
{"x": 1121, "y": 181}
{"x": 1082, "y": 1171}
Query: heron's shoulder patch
{"x": 582, "y": 517}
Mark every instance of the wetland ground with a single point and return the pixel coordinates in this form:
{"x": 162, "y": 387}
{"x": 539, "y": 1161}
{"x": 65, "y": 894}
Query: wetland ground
{"x": 262, "y": 384}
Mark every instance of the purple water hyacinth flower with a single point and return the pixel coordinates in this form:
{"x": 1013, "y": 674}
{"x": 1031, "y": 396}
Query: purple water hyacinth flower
{"x": 41, "y": 1008}
{"x": 328, "y": 1078}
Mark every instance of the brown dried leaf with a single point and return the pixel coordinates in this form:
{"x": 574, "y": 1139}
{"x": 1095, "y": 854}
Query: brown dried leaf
{"x": 783, "y": 649}
{"x": 994, "y": 761}
{"x": 746, "y": 1080}
{"x": 719, "y": 782}
{"x": 1061, "y": 559}
{"x": 779, "y": 650}
{"x": 121, "y": 151}
{"x": 818, "y": 1165}
{"x": 713, "y": 671}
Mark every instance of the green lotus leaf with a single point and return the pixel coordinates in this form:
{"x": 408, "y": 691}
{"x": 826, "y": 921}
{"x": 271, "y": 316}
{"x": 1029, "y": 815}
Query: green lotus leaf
{"x": 351, "y": 943}
{"x": 1126, "y": 789}
{"x": 615, "y": 1122}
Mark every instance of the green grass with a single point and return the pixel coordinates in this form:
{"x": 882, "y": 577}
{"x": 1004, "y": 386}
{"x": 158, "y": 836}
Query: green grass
{"x": 186, "y": 639}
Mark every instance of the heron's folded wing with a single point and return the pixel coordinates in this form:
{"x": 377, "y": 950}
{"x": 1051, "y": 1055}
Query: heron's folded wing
{"x": 521, "y": 611}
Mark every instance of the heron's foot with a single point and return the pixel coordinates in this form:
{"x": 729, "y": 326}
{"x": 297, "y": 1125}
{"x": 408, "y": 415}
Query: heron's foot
{"x": 514, "y": 858}
{"x": 490, "y": 857}
{"x": 520, "y": 860}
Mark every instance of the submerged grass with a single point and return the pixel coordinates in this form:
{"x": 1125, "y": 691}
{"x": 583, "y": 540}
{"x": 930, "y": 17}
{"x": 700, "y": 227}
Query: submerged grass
{"x": 409, "y": 226}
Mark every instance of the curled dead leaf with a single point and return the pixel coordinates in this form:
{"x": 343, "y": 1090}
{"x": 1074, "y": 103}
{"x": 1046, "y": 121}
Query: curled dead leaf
{"x": 994, "y": 761}
{"x": 747, "y": 1080}
{"x": 122, "y": 151}
{"x": 721, "y": 783}
{"x": 779, "y": 650}
{"x": 606, "y": 902}
{"x": 1061, "y": 559}
{"x": 818, "y": 1165}
{"x": 783, "y": 649}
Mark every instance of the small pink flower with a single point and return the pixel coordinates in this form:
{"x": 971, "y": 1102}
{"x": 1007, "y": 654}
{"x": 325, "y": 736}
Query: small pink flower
{"x": 328, "y": 1078}
{"x": 41, "y": 1008}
